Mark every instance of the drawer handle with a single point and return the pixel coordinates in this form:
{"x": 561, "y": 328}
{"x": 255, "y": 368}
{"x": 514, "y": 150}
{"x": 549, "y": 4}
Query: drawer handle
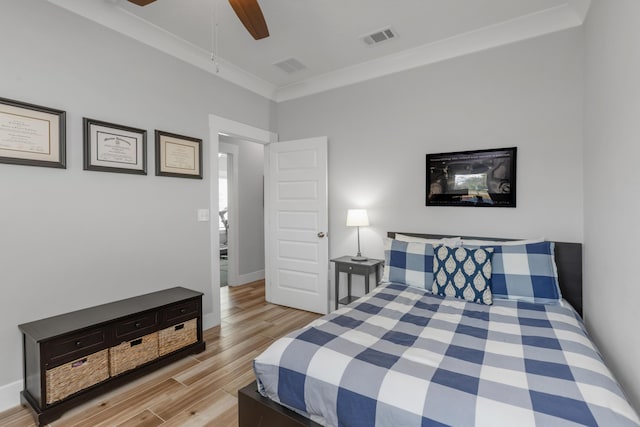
{"x": 136, "y": 342}
{"x": 78, "y": 344}
{"x": 79, "y": 363}
{"x": 178, "y": 327}
{"x": 137, "y": 325}
{"x": 183, "y": 310}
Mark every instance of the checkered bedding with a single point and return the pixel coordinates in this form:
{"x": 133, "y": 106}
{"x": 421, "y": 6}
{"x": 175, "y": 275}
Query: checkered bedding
{"x": 403, "y": 357}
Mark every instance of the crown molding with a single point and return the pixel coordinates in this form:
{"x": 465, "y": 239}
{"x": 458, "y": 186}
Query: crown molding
{"x": 132, "y": 26}
{"x": 568, "y": 15}
{"x": 559, "y": 18}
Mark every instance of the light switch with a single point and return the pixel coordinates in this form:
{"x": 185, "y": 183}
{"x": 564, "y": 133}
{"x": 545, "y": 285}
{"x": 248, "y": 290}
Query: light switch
{"x": 203, "y": 215}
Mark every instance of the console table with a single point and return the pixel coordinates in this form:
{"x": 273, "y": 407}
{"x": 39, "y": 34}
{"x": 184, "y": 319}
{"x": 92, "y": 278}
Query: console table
{"x": 73, "y": 357}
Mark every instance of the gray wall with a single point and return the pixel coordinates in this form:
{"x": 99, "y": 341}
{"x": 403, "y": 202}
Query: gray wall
{"x": 527, "y": 95}
{"x": 612, "y": 205}
{"x": 72, "y": 238}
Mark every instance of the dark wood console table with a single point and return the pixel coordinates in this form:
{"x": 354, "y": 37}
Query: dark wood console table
{"x": 71, "y": 358}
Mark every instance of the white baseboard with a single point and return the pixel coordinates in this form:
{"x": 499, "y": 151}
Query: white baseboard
{"x": 209, "y": 321}
{"x": 10, "y": 395}
{"x": 243, "y": 279}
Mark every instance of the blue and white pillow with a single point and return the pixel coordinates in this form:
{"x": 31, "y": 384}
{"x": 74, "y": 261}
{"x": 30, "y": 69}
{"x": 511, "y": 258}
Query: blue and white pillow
{"x": 525, "y": 272}
{"x": 410, "y": 263}
{"x": 463, "y": 273}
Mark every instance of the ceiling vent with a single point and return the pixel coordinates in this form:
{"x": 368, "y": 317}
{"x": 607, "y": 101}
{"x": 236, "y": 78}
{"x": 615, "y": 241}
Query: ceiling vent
{"x": 380, "y": 36}
{"x": 290, "y": 65}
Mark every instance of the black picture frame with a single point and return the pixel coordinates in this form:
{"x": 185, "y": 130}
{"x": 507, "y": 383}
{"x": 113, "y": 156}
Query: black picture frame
{"x": 32, "y": 135}
{"x": 109, "y": 147}
{"x": 479, "y": 178}
{"x": 178, "y": 156}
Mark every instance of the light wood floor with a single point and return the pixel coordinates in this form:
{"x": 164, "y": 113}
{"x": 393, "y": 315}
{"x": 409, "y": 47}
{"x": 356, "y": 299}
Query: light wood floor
{"x": 199, "y": 390}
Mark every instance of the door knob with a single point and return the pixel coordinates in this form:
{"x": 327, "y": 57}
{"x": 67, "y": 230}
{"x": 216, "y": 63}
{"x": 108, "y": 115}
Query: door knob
{"x": 320, "y": 234}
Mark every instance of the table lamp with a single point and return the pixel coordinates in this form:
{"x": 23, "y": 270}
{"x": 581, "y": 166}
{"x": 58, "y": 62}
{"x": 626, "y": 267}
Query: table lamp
{"x": 357, "y": 218}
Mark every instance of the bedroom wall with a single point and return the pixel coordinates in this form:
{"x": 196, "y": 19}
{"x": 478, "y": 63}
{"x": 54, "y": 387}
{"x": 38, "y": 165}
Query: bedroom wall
{"x": 612, "y": 206}
{"x": 527, "y": 95}
{"x": 72, "y": 238}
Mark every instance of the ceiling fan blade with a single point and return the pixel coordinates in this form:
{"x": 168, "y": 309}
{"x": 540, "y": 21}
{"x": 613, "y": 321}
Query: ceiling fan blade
{"x": 251, "y": 16}
{"x": 142, "y": 2}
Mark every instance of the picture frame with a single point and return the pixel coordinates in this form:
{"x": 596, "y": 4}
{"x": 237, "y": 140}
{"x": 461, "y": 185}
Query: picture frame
{"x": 32, "y": 135}
{"x": 480, "y": 178}
{"x": 178, "y": 156}
{"x": 110, "y": 147}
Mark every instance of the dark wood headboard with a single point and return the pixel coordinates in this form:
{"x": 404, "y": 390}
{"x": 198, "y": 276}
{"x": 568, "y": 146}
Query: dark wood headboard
{"x": 568, "y": 261}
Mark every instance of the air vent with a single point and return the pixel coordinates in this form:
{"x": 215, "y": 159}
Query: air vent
{"x": 380, "y": 36}
{"x": 290, "y": 65}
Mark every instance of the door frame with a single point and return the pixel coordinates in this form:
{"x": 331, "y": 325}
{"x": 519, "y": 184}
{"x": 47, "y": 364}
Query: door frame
{"x": 220, "y": 125}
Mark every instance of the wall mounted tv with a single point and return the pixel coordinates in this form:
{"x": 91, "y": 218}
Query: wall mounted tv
{"x": 483, "y": 178}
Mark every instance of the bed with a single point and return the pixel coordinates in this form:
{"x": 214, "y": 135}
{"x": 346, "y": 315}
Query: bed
{"x": 403, "y": 356}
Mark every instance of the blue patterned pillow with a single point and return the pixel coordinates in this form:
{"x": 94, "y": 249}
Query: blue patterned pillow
{"x": 410, "y": 263}
{"x": 525, "y": 272}
{"x": 463, "y": 273}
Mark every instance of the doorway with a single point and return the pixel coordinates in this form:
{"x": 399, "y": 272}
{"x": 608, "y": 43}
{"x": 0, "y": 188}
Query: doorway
{"x": 219, "y": 128}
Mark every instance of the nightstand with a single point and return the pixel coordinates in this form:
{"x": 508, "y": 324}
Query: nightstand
{"x": 345, "y": 264}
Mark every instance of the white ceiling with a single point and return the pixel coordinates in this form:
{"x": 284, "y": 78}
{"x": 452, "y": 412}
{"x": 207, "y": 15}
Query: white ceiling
{"x": 326, "y": 35}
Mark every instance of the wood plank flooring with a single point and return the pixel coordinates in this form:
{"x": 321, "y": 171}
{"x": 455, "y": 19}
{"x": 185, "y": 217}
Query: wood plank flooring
{"x": 200, "y": 390}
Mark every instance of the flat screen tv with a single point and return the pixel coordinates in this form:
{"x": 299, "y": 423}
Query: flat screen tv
{"x": 484, "y": 178}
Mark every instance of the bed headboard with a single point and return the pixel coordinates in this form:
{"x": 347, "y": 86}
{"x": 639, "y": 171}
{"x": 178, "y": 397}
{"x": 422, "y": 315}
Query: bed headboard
{"x": 568, "y": 261}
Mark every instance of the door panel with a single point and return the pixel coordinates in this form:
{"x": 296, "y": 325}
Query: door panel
{"x": 298, "y": 222}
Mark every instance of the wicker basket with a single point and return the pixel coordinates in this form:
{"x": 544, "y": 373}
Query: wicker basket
{"x": 64, "y": 380}
{"x": 131, "y": 354}
{"x": 178, "y": 336}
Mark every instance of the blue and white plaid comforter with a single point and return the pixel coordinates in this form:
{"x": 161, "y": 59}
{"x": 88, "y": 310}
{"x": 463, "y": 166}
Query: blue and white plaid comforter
{"x": 402, "y": 357}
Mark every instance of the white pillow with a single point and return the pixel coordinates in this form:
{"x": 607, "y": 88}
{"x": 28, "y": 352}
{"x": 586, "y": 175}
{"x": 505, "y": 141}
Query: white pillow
{"x": 452, "y": 242}
{"x": 472, "y": 242}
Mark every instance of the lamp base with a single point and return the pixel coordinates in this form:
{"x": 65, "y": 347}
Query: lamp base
{"x": 359, "y": 258}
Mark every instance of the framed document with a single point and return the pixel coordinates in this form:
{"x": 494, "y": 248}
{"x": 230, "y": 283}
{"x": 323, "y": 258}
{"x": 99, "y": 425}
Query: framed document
{"x": 178, "y": 156}
{"x": 114, "y": 148}
{"x": 32, "y": 135}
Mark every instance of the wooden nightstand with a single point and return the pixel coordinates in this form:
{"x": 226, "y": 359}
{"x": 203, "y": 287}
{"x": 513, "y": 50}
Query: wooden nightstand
{"x": 345, "y": 264}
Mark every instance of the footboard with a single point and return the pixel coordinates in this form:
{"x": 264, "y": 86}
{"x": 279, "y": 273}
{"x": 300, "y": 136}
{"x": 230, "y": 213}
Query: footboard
{"x": 256, "y": 410}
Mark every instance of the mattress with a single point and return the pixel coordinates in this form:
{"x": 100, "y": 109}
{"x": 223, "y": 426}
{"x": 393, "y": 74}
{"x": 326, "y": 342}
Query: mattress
{"x": 400, "y": 356}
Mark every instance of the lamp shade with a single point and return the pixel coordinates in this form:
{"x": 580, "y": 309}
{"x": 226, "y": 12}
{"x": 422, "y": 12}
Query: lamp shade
{"x": 357, "y": 218}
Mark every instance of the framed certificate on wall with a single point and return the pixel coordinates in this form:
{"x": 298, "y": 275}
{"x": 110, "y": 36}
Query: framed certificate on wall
{"x": 32, "y": 135}
{"x": 178, "y": 155}
{"x": 114, "y": 148}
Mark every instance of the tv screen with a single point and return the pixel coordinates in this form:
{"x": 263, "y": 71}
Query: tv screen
{"x": 472, "y": 178}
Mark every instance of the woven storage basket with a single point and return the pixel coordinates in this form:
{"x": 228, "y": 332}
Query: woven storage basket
{"x": 131, "y": 354}
{"x": 64, "y": 380}
{"x": 178, "y": 336}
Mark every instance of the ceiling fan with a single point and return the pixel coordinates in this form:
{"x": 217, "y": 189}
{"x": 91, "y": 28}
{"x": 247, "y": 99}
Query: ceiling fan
{"x": 248, "y": 12}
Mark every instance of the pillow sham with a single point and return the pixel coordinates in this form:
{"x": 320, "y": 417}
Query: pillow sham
{"x": 453, "y": 242}
{"x": 525, "y": 272}
{"x": 463, "y": 273}
{"x": 479, "y": 242}
{"x": 410, "y": 263}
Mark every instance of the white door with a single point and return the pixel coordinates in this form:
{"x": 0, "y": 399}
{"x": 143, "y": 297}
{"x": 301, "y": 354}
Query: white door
{"x": 297, "y": 220}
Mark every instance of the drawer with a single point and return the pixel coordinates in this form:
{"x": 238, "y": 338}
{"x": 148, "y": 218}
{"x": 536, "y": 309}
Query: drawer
{"x": 180, "y": 312}
{"x": 77, "y": 375}
{"x": 73, "y": 346}
{"x": 354, "y": 269}
{"x": 131, "y": 354}
{"x": 178, "y": 336}
{"x": 135, "y": 326}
